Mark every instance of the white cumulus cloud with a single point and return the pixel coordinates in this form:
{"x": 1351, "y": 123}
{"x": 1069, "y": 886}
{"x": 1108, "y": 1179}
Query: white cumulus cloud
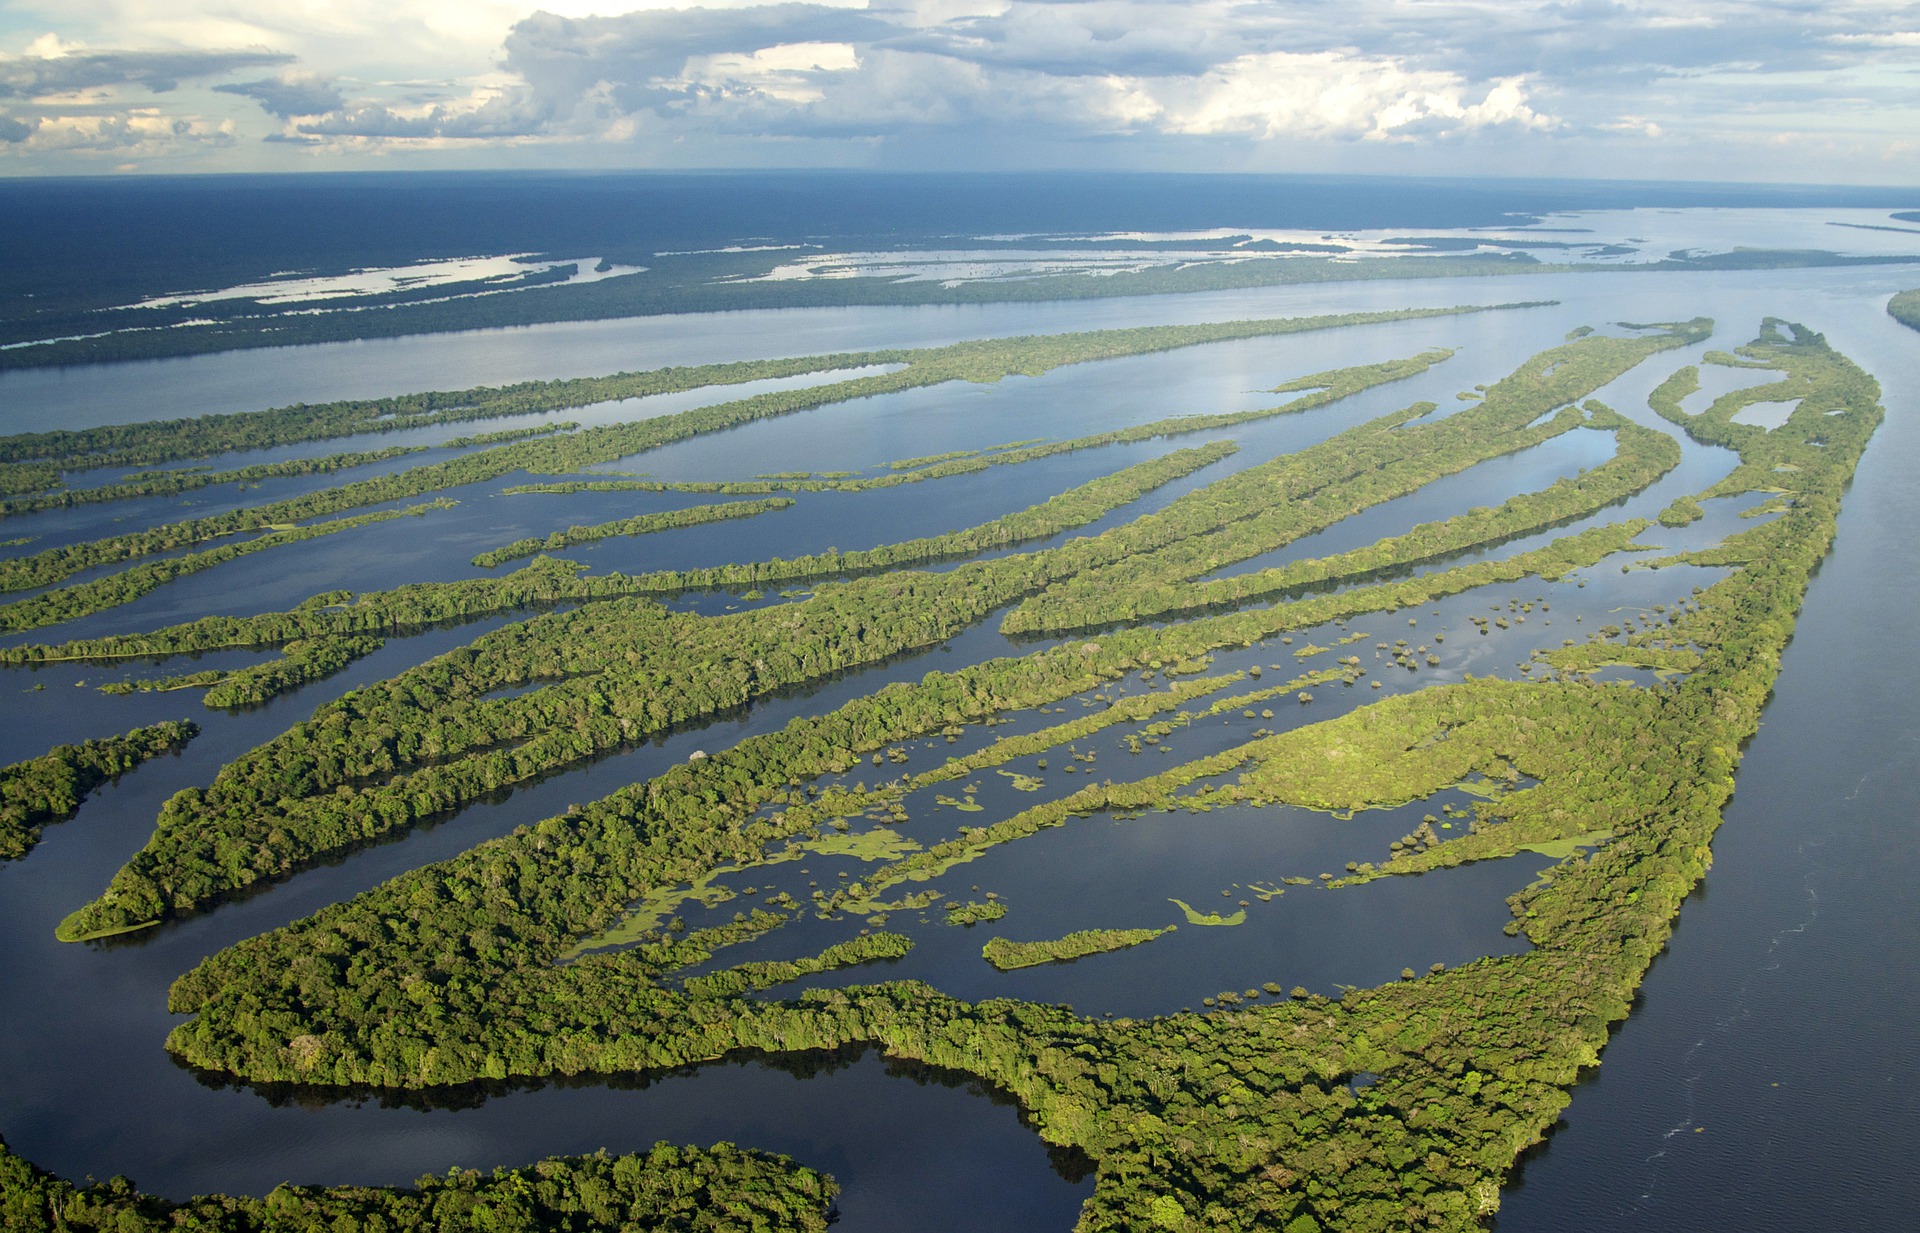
{"x": 1327, "y": 95}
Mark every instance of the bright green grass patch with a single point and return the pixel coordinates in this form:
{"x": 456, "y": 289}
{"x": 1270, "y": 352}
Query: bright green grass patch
{"x": 1209, "y": 918}
{"x": 971, "y": 913}
{"x": 1561, "y": 849}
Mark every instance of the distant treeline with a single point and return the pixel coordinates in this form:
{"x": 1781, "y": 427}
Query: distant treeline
{"x": 701, "y": 283}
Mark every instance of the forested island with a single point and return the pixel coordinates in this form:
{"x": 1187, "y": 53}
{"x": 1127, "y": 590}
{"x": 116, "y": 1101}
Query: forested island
{"x": 1905, "y": 308}
{"x": 596, "y": 942}
{"x": 50, "y": 788}
{"x": 698, "y": 1190}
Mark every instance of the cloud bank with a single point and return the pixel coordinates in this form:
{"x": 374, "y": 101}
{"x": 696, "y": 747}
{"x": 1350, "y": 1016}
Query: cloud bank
{"x": 1105, "y": 69}
{"x": 1256, "y": 84}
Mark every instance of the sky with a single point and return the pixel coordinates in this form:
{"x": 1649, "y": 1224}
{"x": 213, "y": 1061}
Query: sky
{"x": 1785, "y": 92}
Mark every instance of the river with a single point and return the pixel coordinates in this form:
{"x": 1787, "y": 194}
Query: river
{"x": 1764, "y": 1082}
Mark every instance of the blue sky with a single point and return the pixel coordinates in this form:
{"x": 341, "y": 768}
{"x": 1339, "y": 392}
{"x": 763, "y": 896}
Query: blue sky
{"x": 1645, "y": 89}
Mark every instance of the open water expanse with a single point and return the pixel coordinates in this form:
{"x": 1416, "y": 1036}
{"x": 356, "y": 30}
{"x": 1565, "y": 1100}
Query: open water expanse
{"x": 1765, "y": 1081}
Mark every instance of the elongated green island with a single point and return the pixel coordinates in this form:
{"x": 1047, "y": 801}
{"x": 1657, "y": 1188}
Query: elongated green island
{"x": 1905, "y": 308}
{"x": 1007, "y": 955}
{"x": 700, "y": 1190}
{"x": 50, "y": 788}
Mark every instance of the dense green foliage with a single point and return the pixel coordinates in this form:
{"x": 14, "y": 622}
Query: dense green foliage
{"x": 299, "y": 663}
{"x": 639, "y": 524}
{"x": 494, "y": 964}
{"x": 50, "y": 788}
{"x": 973, "y": 913}
{"x": 432, "y": 740}
{"x": 501, "y": 436}
{"x": 1008, "y": 955}
{"x": 541, "y": 583}
{"x": 1905, "y": 308}
{"x": 1243, "y": 1118}
{"x": 980, "y": 361}
{"x": 746, "y": 977}
{"x": 720, "y": 1189}
{"x": 1681, "y": 511}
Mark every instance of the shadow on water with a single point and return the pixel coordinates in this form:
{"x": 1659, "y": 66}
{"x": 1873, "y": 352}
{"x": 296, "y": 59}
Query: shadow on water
{"x": 906, "y": 1140}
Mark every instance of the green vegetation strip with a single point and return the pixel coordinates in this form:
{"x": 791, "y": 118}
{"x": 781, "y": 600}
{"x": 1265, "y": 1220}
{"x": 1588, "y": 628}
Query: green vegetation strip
{"x": 974, "y": 913}
{"x": 1266, "y": 507}
{"x": 1007, "y": 955}
{"x": 640, "y": 524}
{"x": 336, "y": 614}
{"x": 1320, "y": 389}
{"x": 623, "y": 671}
{"x": 1682, "y": 511}
{"x": 65, "y": 603}
{"x": 300, "y": 662}
{"x": 1074, "y": 508}
{"x": 982, "y": 361}
{"x": 748, "y": 977}
{"x": 510, "y": 434}
{"x": 50, "y": 788}
{"x": 1643, "y": 457}
{"x": 909, "y": 464}
{"x": 168, "y": 483}
{"x": 719, "y": 1189}
{"x": 159, "y": 441}
{"x": 1211, "y": 919}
